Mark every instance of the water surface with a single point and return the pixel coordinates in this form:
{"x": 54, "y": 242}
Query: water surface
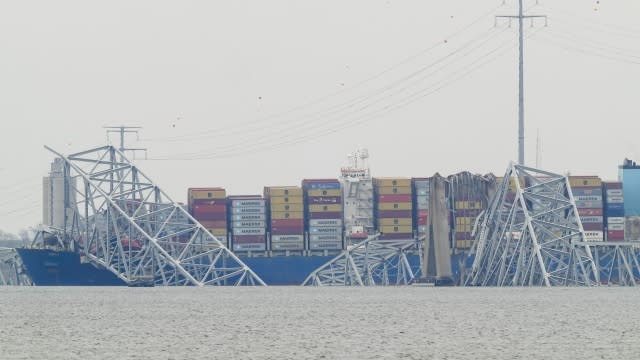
{"x": 318, "y": 323}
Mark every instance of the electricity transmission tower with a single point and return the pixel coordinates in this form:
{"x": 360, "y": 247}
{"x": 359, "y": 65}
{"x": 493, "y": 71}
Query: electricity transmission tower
{"x": 521, "y": 18}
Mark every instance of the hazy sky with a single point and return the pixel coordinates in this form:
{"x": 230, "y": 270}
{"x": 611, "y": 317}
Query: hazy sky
{"x": 243, "y": 94}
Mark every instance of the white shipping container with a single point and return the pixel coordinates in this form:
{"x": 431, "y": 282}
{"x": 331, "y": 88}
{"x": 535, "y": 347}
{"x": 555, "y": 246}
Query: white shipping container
{"x": 251, "y": 224}
{"x": 325, "y": 245}
{"x": 591, "y": 219}
{"x": 614, "y": 192}
{"x": 248, "y": 203}
{"x": 422, "y": 192}
{"x": 615, "y": 220}
{"x": 593, "y": 235}
{"x": 616, "y": 227}
{"x": 325, "y": 222}
{"x": 248, "y": 210}
{"x": 288, "y": 245}
{"x": 325, "y": 238}
{"x": 422, "y": 229}
{"x": 615, "y": 200}
{"x": 422, "y": 184}
{"x": 422, "y": 200}
{"x": 588, "y": 198}
{"x": 287, "y": 238}
{"x": 249, "y": 217}
{"x": 252, "y": 247}
{"x": 589, "y": 204}
{"x": 248, "y": 231}
{"x": 325, "y": 230}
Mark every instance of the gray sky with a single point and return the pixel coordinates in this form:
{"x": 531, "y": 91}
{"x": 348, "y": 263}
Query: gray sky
{"x": 243, "y": 94}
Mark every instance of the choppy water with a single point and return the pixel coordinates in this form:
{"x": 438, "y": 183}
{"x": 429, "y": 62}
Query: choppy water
{"x": 315, "y": 323}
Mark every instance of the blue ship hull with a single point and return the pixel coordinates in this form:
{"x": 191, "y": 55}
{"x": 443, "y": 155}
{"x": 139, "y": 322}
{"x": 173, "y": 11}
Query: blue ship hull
{"x": 63, "y": 268}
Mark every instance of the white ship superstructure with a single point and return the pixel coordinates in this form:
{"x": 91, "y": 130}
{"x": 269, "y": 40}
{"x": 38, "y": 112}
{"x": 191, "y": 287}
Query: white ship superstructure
{"x": 357, "y": 188}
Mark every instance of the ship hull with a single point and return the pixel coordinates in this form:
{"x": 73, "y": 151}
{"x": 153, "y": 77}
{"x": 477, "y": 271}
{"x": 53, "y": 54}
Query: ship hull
{"x": 63, "y": 268}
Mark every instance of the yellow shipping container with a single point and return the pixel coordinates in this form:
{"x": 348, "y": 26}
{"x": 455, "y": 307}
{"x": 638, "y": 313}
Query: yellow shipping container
{"x": 284, "y": 191}
{"x": 395, "y": 206}
{"x": 396, "y": 229}
{"x": 390, "y": 182}
{"x": 395, "y": 221}
{"x": 218, "y": 232}
{"x": 286, "y": 207}
{"x": 465, "y": 220}
{"x": 464, "y": 227}
{"x": 286, "y": 200}
{"x": 394, "y": 190}
{"x": 512, "y": 182}
{"x": 281, "y": 215}
{"x": 329, "y": 192}
{"x": 198, "y": 194}
{"x": 468, "y": 205}
{"x": 585, "y": 181}
{"x": 463, "y": 244}
{"x": 325, "y": 208}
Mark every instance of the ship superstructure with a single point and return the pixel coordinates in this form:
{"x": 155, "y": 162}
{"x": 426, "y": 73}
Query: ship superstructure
{"x": 357, "y": 190}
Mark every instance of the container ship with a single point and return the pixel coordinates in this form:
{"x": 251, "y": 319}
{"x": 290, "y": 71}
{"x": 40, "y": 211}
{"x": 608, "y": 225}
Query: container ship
{"x": 287, "y": 232}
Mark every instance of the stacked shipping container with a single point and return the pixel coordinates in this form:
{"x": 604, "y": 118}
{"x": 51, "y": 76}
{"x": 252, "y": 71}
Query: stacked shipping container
{"x": 393, "y": 208}
{"x": 323, "y": 213}
{"x": 613, "y": 210}
{"x": 421, "y": 196}
{"x": 247, "y": 222}
{"x": 468, "y": 197}
{"x": 286, "y": 217}
{"x": 587, "y": 193}
{"x": 209, "y": 207}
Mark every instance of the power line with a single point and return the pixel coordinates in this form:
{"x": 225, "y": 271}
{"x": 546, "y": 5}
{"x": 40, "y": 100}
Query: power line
{"x": 359, "y": 119}
{"x": 200, "y": 134}
{"x": 311, "y": 122}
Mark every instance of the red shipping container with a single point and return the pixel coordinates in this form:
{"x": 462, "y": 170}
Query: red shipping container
{"x": 209, "y": 209}
{"x": 210, "y": 217}
{"x": 248, "y": 239}
{"x": 463, "y": 236}
{"x": 468, "y": 212}
{"x": 590, "y": 212}
{"x": 287, "y": 230}
{"x": 593, "y": 226}
{"x": 612, "y": 185}
{"x": 324, "y": 200}
{"x": 423, "y": 213}
{"x": 394, "y": 198}
{"x": 394, "y": 213}
{"x": 325, "y": 215}
{"x": 207, "y": 202}
{"x": 396, "y": 236}
{"x": 422, "y": 220}
{"x": 287, "y": 223}
{"x": 615, "y": 235}
{"x": 214, "y": 224}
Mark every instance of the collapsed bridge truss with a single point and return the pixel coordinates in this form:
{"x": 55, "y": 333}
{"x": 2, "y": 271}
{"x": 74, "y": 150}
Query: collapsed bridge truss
{"x": 124, "y": 222}
{"x": 532, "y": 235}
{"x": 369, "y": 263}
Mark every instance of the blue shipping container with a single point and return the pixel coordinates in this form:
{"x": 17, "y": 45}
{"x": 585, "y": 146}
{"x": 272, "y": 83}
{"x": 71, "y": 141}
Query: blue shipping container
{"x": 322, "y": 186}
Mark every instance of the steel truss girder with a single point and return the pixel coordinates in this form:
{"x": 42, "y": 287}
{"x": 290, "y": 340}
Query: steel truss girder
{"x": 11, "y": 270}
{"x": 533, "y": 237}
{"x": 618, "y": 262}
{"x": 369, "y": 263}
{"x": 124, "y": 222}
